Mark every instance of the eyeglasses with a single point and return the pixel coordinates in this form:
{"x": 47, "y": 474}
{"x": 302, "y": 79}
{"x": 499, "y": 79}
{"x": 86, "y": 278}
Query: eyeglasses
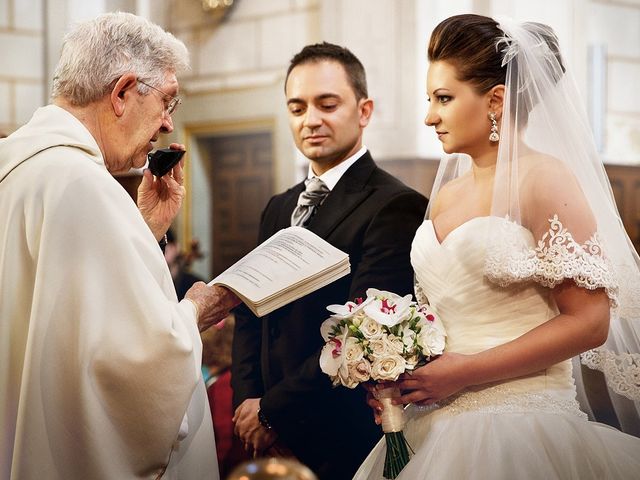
{"x": 171, "y": 106}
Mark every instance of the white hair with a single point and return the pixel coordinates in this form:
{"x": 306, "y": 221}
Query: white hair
{"x": 96, "y": 53}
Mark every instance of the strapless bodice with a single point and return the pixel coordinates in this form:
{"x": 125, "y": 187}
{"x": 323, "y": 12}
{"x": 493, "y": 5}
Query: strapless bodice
{"x": 477, "y": 313}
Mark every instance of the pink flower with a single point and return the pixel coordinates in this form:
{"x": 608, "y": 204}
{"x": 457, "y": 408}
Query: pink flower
{"x": 337, "y": 349}
{"x": 387, "y": 308}
{"x": 427, "y": 313}
{"x": 332, "y": 355}
{"x": 347, "y": 310}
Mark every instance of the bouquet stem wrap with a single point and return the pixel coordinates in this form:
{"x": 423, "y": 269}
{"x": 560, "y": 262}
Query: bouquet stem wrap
{"x": 393, "y": 422}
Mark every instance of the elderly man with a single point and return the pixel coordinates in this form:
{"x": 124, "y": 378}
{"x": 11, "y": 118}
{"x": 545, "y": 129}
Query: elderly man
{"x": 99, "y": 363}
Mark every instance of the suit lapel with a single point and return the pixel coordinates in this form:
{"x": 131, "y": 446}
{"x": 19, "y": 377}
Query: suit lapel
{"x": 350, "y": 191}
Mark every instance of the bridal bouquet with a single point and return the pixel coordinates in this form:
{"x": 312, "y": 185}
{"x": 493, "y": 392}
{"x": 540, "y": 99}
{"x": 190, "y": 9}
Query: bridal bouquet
{"x": 378, "y": 339}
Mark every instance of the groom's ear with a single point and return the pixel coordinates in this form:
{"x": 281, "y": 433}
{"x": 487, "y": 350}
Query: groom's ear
{"x": 365, "y": 109}
{"x": 495, "y": 97}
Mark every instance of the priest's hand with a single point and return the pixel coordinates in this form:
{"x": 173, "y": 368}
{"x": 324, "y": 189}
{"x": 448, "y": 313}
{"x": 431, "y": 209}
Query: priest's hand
{"x": 159, "y": 199}
{"x": 213, "y": 304}
{"x": 255, "y": 437}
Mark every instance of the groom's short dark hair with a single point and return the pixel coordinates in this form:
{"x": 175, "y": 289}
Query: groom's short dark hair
{"x": 335, "y": 53}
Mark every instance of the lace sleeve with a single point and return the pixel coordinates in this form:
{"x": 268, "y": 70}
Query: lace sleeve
{"x": 554, "y": 258}
{"x": 622, "y": 370}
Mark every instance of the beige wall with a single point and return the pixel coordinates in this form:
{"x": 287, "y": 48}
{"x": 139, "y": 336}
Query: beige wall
{"x": 615, "y": 24}
{"x": 247, "y": 54}
{"x": 22, "y": 58}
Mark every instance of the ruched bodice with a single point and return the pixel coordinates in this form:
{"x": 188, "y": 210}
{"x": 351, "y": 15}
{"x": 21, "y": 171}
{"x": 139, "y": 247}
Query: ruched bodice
{"x": 478, "y": 314}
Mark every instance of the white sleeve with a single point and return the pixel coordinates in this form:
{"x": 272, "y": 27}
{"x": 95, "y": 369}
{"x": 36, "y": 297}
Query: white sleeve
{"x": 122, "y": 353}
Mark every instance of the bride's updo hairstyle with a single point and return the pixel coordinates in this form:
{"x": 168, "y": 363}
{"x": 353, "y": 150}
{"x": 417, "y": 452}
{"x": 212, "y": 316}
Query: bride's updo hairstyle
{"x": 480, "y": 51}
{"x": 469, "y": 42}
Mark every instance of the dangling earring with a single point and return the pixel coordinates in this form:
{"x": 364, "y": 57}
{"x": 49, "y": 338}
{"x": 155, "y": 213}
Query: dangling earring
{"x": 494, "y": 136}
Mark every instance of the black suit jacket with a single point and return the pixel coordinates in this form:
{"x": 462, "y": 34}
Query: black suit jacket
{"x": 373, "y": 217}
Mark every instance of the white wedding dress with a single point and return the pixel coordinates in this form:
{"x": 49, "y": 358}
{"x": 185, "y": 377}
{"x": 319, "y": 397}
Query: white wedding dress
{"x": 529, "y": 427}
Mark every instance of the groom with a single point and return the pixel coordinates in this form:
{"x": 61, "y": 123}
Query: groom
{"x": 284, "y": 402}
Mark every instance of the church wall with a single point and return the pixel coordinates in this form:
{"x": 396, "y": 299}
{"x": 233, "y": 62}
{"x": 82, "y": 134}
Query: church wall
{"x": 616, "y": 26}
{"x": 239, "y": 62}
{"x": 21, "y": 78}
{"x": 251, "y": 47}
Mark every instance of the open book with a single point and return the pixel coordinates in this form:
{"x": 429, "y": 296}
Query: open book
{"x": 291, "y": 264}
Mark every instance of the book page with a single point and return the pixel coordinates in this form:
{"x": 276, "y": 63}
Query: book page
{"x": 282, "y": 261}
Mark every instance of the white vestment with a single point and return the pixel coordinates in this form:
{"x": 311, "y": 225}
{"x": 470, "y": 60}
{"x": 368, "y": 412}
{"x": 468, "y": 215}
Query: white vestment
{"x": 99, "y": 363}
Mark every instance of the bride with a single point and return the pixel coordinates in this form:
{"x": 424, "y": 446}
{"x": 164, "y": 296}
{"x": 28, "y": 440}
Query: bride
{"x": 526, "y": 262}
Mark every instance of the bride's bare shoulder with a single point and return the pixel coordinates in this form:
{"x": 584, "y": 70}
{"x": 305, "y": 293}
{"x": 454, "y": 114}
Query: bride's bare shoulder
{"x": 549, "y": 187}
{"x": 540, "y": 164}
{"x": 541, "y": 174}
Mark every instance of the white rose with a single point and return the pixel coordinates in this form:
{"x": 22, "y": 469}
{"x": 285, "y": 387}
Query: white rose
{"x": 431, "y": 340}
{"x": 360, "y": 371}
{"x": 388, "y": 367}
{"x": 345, "y": 377}
{"x": 353, "y": 351}
{"x": 412, "y": 361}
{"x": 371, "y": 329}
{"x": 378, "y": 347}
{"x": 360, "y": 315}
{"x": 408, "y": 337}
{"x": 396, "y": 344}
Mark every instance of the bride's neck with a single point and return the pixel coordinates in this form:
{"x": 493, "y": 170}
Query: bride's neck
{"x": 484, "y": 166}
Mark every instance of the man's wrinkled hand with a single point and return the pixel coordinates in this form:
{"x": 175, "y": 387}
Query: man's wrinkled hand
{"x": 160, "y": 199}
{"x": 213, "y": 304}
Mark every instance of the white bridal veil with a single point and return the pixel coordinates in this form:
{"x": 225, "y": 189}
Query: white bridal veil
{"x": 550, "y": 181}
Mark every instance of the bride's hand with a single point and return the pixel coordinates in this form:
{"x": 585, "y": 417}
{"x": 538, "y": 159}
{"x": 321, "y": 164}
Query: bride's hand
{"x": 435, "y": 381}
{"x": 372, "y": 398}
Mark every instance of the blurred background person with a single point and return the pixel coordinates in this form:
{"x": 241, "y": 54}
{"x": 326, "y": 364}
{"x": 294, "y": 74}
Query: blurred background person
{"x": 179, "y": 263}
